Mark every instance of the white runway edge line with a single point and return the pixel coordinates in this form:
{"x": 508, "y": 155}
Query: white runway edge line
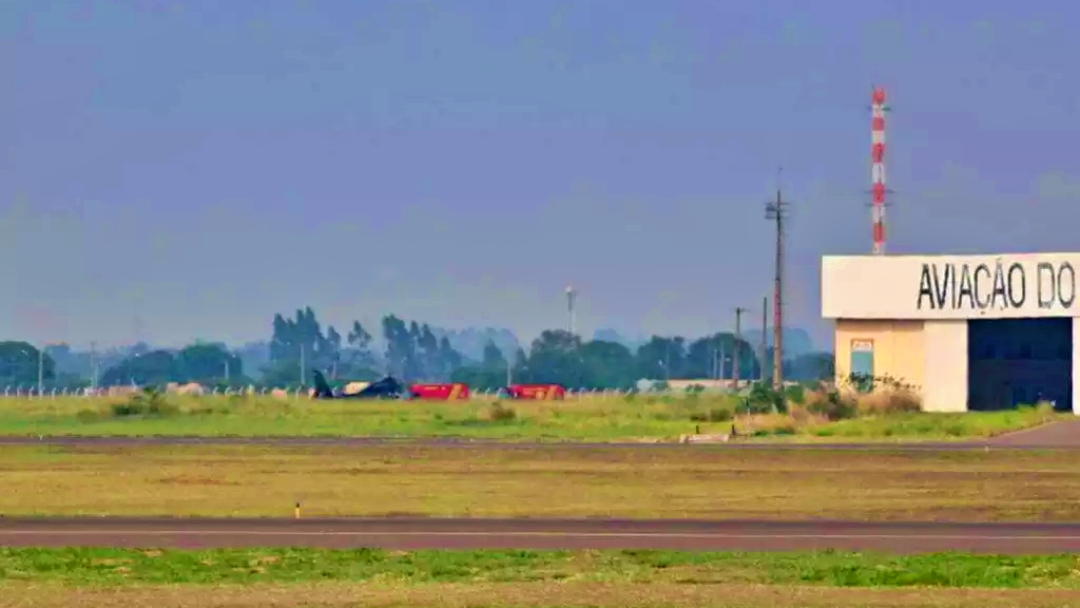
{"x": 1018, "y": 537}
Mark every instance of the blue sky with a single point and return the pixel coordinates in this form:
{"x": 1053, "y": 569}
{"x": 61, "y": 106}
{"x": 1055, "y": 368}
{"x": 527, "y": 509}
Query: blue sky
{"x": 176, "y": 170}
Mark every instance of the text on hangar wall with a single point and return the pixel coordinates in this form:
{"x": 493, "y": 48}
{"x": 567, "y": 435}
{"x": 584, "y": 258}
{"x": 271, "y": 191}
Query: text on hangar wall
{"x": 998, "y": 285}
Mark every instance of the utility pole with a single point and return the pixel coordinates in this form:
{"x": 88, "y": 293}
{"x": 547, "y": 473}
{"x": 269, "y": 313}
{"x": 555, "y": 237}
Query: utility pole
{"x": 777, "y": 211}
{"x": 226, "y": 369}
{"x": 764, "y": 335}
{"x": 302, "y": 383}
{"x": 738, "y": 338}
{"x": 93, "y": 367}
{"x": 40, "y": 370}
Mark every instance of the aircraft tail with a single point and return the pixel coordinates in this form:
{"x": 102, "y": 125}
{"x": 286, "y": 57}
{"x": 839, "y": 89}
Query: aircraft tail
{"x": 322, "y": 388}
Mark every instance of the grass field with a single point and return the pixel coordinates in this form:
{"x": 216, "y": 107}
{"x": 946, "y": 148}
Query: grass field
{"x": 525, "y": 595}
{"x": 111, "y": 577}
{"x": 553, "y": 481}
{"x": 588, "y": 418}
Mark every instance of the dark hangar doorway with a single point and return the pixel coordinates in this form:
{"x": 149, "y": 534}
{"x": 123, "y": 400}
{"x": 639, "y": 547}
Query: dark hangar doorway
{"x": 1015, "y": 362}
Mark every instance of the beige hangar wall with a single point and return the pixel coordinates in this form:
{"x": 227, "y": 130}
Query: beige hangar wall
{"x": 914, "y": 311}
{"x": 945, "y": 388}
{"x": 898, "y": 347}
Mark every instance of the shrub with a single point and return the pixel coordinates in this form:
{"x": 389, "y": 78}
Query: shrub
{"x": 763, "y": 399}
{"x": 1043, "y": 410}
{"x": 831, "y": 404}
{"x": 497, "y": 412}
{"x": 721, "y": 414}
{"x": 803, "y": 416}
{"x": 87, "y": 415}
{"x": 715, "y": 414}
{"x": 861, "y": 383}
{"x": 126, "y": 408}
{"x": 770, "y": 424}
{"x": 1045, "y": 407}
{"x": 889, "y": 401}
{"x": 795, "y": 393}
{"x": 148, "y": 402}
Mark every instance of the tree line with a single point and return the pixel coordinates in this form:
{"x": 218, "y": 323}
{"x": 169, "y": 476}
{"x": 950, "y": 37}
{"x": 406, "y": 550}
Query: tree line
{"x": 414, "y": 351}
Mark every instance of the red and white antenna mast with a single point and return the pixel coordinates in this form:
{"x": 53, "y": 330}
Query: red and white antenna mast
{"x": 877, "y": 168}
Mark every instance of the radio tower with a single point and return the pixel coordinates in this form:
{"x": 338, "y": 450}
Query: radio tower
{"x": 877, "y": 170}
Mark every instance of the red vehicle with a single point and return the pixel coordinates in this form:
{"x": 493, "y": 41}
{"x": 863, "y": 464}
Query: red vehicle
{"x": 448, "y": 391}
{"x": 538, "y": 392}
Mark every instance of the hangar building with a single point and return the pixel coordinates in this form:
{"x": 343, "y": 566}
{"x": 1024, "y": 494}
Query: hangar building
{"x": 970, "y": 332}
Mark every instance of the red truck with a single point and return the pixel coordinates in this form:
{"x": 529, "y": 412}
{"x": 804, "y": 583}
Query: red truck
{"x": 536, "y": 392}
{"x": 448, "y": 391}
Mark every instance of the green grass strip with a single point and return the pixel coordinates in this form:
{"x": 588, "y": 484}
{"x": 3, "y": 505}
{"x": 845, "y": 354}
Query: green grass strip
{"x": 118, "y": 567}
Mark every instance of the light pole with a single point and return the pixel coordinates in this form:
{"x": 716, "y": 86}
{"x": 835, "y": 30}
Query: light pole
{"x": 570, "y": 295}
{"x": 40, "y": 370}
{"x": 93, "y": 367}
{"x": 302, "y": 384}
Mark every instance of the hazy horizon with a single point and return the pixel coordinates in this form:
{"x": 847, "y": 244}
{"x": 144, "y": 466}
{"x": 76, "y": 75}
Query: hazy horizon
{"x": 181, "y": 170}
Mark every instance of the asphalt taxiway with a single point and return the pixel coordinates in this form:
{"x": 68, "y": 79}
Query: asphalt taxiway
{"x": 539, "y": 534}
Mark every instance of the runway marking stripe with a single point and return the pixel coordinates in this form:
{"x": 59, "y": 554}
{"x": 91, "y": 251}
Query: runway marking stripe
{"x": 531, "y": 534}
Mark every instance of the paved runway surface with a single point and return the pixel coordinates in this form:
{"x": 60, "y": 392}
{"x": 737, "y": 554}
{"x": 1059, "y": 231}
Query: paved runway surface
{"x": 542, "y": 534}
{"x": 1062, "y": 441}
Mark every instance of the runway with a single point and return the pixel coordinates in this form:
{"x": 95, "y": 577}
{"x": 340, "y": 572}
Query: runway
{"x": 1070, "y": 442}
{"x": 541, "y": 534}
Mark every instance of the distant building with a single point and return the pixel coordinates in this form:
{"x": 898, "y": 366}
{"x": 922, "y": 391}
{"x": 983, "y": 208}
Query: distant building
{"x": 708, "y": 384}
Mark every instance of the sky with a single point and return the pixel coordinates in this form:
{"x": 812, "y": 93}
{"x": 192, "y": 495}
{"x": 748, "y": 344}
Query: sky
{"x": 177, "y": 170}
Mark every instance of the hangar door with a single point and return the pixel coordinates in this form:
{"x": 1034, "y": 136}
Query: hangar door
{"x": 1015, "y": 362}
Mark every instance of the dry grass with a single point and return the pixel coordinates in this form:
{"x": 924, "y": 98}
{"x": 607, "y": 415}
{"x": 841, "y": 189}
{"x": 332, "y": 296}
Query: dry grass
{"x": 883, "y": 403}
{"x": 549, "y": 481}
{"x": 525, "y": 595}
{"x": 600, "y": 418}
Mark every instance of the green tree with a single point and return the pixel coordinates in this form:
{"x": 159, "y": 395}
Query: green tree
{"x": 521, "y": 371}
{"x": 449, "y": 358}
{"x": 493, "y": 357}
{"x": 430, "y": 363}
{"x": 556, "y": 357}
{"x": 709, "y": 356}
{"x": 155, "y": 368}
{"x": 19, "y": 364}
{"x": 661, "y": 358}
{"x": 607, "y": 365}
{"x": 811, "y": 366}
{"x": 489, "y": 375}
{"x": 478, "y": 378}
{"x": 358, "y": 359}
{"x": 333, "y": 354}
{"x": 400, "y": 348}
{"x": 299, "y": 341}
{"x": 208, "y": 364}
